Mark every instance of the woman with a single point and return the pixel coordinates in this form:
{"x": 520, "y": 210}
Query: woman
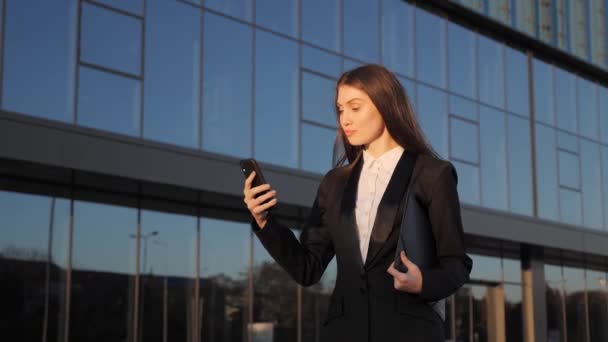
{"x": 356, "y": 217}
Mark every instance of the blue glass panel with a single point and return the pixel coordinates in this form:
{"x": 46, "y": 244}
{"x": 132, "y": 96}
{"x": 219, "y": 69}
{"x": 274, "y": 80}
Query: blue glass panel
{"x": 488, "y": 268}
{"x": 276, "y": 100}
{"x": 361, "y": 30}
{"x": 109, "y": 102}
{"x": 491, "y": 72}
{"x": 468, "y": 183}
{"x": 603, "y": 113}
{"x": 432, "y": 114}
{"x": 493, "y": 141}
{"x": 321, "y": 23}
{"x": 241, "y": 9}
{"x": 25, "y": 226}
{"x": 520, "y": 165}
{"x": 317, "y": 147}
{"x": 565, "y": 100}
{"x": 569, "y": 173}
{"x": 227, "y": 74}
{"x": 171, "y": 85}
{"x": 464, "y": 137}
{"x": 591, "y": 176}
{"x": 321, "y": 61}
{"x": 277, "y": 15}
{"x": 33, "y": 70}
{"x": 518, "y": 90}
{"x": 110, "y": 39}
{"x": 463, "y": 108}
{"x": 131, "y": 6}
{"x": 570, "y": 206}
{"x": 410, "y": 90}
{"x": 430, "y": 48}
{"x": 398, "y": 37}
{"x": 587, "y": 109}
{"x": 318, "y": 94}
{"x": 605, "y": 183}
{"x": 461, "y": 45}
{"x": 546, "y": 172}
{"x": 544, "y": 100}
{"x": 349, "y": 64}
{"x": 567, "y": 141}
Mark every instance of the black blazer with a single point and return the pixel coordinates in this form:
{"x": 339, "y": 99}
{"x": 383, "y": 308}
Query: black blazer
{"x": 365, "y": 305}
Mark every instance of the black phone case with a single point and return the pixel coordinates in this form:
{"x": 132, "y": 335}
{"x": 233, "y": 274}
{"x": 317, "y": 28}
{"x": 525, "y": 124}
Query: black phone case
{"x": 250, "y": 165}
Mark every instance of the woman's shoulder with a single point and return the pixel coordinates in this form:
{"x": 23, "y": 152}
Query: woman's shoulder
{"x": 431, "y": 171}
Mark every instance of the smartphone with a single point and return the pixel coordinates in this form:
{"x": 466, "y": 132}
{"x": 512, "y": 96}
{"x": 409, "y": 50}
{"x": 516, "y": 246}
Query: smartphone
{"x": 250, "y": 165}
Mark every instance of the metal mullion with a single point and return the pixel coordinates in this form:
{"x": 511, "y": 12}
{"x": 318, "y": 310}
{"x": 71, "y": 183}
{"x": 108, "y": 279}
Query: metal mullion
{"x": 462, "y": 118}
{"x": 197, "y": 274}
{"x": 321, "y": 125}
{"x": 77, "y": 63}
{"x": 142, "y": 68}
{"x": 319, "y": 74}
{"x": 190, "y": 4}
{"x": 68, "y": 278}
{"x": 2, "y": 46}
{"x": 116, "y": 10}
{"x": 137, "y": 268}
{"x": 201, "y": 61}
{"x": 111, "y": 71}
{"x": 47, "y": 280}
{"x": 467, "y": 162}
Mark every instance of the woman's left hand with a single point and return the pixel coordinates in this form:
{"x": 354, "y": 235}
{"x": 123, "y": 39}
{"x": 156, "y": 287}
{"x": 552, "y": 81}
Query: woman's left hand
{"x": 407, "y": 282}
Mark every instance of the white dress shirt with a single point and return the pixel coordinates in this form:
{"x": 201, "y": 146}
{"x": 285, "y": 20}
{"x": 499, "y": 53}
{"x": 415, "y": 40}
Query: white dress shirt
{"x": 375, "y": 175}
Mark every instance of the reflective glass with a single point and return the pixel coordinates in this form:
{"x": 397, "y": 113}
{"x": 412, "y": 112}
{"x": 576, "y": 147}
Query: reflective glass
{"x": 468, "y": 183}
{"x": 556, "y": 306}
{"x": 500, "y": 10}
{"x": 565, "y": 100}
{"x": 520, "y": 165}
{"x": 44, "y": 72}
{"x": 561, "y": 25}
{"x": 545, "y": 20}
{"x": 315, "y": 303}
{"x": 591, "y": 176}
{"x": 317, "y": 147}
{"x": 513, "y": 313}
{"x": 361, "y": 30}
{"x": 569, "y": 171}
{"x": 318, "y": 95}
{"x": 432, "y": 109}
{"x": 276, "y": 100}
{"x": 486, "y": 268}
{"x": 525, "y": 16}
{"x": 511, "y": 269}
{"x": 597, "y": 294}
{"x": 241, "y": 9}
{"x": 597, "y": 36}
{"x": 103, "y": 275}
{"x": 321, "y": 23}
{"x": 172, "y": 82}
{"x": 60, "y": 231}
{"x": 398, "y": 37}
{"x": 430, "y": 48}
{"x": 482, "y": 298}
{"x": 132, "y": 6}
{"x": 491, "y": 72}
{"x": 463, "y": 108}
{"x": 493, "y": 141}
{"x": 544, "y": 99}
{"x": 574, "y": 286}
{"x": 577, "y": 25}
{"x": 224, "y": 261}
{"x": 227, "y": 74}
{"x": 349, "y": 64}
{"x": 410, "y": 91}
{"x": 567, "y": 141}
{"x": 464, "y": 137}
{"x": 321, "y": 61}
{"x": 102, "y": 31}
{"x": 605, "y": 183}
{"x": 518, "y": 90}
{"x": 570, "y": 206}
{"x": 546, "y": 173}
{"x": 587, "y": 108}
{"x": 109, "y": 102}
{"x": 277, "y": 15}
{"x": 462, "y": 59}
{"x": 603, "y": 113}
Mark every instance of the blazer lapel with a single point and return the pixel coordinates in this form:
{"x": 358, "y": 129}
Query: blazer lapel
{"x": 347, "y": 210}
{"x": 388, "y": 207}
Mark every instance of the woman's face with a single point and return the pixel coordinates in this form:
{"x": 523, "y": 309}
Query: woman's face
{"x": 359, "y": 118}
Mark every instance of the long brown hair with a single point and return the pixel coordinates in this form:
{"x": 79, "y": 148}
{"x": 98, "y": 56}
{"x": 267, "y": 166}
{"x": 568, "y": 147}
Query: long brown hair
{"x": 388, "y": 95}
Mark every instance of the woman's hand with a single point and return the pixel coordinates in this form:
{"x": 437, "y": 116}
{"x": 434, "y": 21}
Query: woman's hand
{"x": 408, "y": 282}
{"x": 255, "y": 206}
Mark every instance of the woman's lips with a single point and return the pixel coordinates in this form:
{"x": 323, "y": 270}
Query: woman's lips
{"x": 349, "y": 132}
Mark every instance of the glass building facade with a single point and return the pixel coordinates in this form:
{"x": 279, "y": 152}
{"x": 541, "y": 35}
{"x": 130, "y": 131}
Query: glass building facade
{"x": 107, "y": 233}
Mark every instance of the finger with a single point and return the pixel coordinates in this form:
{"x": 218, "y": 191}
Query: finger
{"x": 249, "y": 179}
{"x": 258, "y": 189}
{"x": 407, "y": 262}
{"x": 263, "y": 198}
{"x": 262, "y": 208}
{"x": 392, "y": 270}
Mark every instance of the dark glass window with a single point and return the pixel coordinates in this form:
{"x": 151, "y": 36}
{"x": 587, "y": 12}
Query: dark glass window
{"x": 241, "y": 9}
{"x": 546, "y": 172}
{"x": 491, "y": 72}
{"x": 433, "y": 117}
{"x": 430, "y": 48}
{"x": 517, "y": 85}
{"x": 398, "y": 37}
{"x": 131, "y": 6}
{"x": 493, "y": 140}
{"x": 317, "y": 148}
{"x": 463, "y": 64}
{"x": 318, "y": 95}
{"x": 591, "y": 177}
{"x": 544, "y": 95}
{"x": 321, "y": 23}
{"x": 519, "y": 159}
{"x": 361, "y": 30}
{"x": 278, "y": 15}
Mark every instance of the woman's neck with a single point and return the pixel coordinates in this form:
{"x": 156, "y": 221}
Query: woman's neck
{"x": 381, "y": 145}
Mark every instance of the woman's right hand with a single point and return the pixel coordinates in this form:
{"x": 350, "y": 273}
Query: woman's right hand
{"x": 255, "y": 206}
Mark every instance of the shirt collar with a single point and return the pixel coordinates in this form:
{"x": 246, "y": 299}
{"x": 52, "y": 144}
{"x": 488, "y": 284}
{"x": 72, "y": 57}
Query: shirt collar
{"x": 388, "y": 160}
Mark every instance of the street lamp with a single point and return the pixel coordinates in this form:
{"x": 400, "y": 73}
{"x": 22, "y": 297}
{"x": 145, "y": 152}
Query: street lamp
{"x": 145, "y": 237}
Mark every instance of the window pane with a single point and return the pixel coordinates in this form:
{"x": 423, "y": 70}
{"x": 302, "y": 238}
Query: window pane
{"x": 241, "y": 9}
{"x": 227, "y": 73}
{"x": 520, "y": 165}
{"x": 486, "y": 268}
{"x": 461, "y": 45}
{"x": 132, "y": 6}
{"x": 361, "y": 30}
{"x": 398, "y": 37}
{"x": 562, "y": 32}
{"x": 603, "y": 112}
{"x": 546, "y": 172}
{"x": 500, "y": 10}
{"x": 104, "y": 30}
{"x": 565, "y": 95}
{"x": 103, "y": 275}
{"x": 605, "y": 182}
{"x": 545, "y": 21}
{"x": 224, "y": 262}
{"x": 277, "y": 15}
{"x": 410, "y": 90}
{"x": 597, "y": 19}
{"x": 109, "y": 102}
{"x": 556, "y": 306}
{"x": 544, "y": 107}
{"x": 321, "y": 61}
{"x": 168, "y": 256}
{"x": 58, "y": 271}
{"x": 493, "y": 142}
{"x": 468, "y": 183}
{"x": 570, "y": 206}
{"x": 171, "y": 85}
{"x": 598, "y": 305}
{"x": 491, "y": 72}
{"x": 315, "y": 302}
{"x": 587, "y": 108}
{"x": 578, "y": 30}
{"x": 518, "y": 93}
{"x": 432, "y": 115}
{"x": 318, "y": 94}
{"x": 464, "y": 137}
{"x": 567, "y": 141}
{"x": 592, "y": 184}
{"x": 511, "y": 270}
{"x": 317, "y": 147}
{"x": 513, "y": 313}
{"x": 569, "y": 173}
{"x": 430, "y": 48}
{"x": 574, "y": 287}
{"x": 44, "y": 72}
{"x": 321, "y": 23}
{"x": 463, "y": 108}
{"x": 349, "y": 64}
{"x": 525, "y": 17}
{"x": 276, "y": 100}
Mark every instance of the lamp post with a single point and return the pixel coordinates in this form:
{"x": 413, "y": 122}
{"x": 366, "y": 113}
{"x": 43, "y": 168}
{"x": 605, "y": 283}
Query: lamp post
{"x": 145, "y": 237}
